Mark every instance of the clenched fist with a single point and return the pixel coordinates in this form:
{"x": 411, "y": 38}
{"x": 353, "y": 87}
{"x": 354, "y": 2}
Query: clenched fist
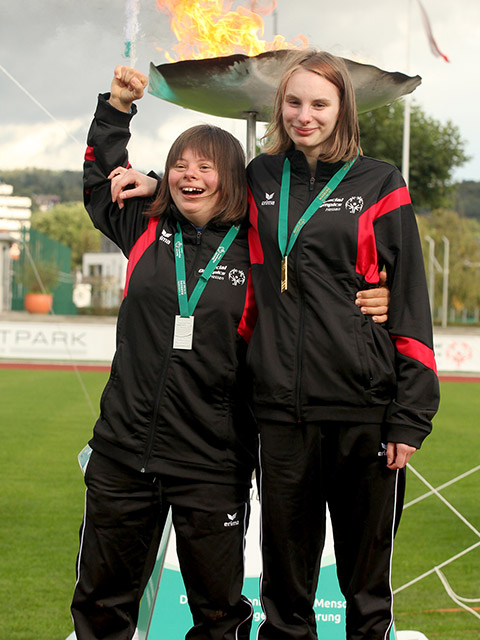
{"x": 127, "y": 85}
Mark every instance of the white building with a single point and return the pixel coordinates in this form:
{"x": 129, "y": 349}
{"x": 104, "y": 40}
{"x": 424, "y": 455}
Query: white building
{"x": 15, "y": 211}
{"x": 6, "y": 242}
{"x": 106, "y": 272}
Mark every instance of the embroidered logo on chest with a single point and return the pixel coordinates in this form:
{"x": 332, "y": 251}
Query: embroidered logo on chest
{"x": 354, "y": 204}
{"x": 269, "y": 201}
{"x": 236, "y": 277}
{"x": 165, "y": 237}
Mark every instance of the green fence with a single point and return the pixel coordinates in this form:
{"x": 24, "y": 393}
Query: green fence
{"x": 41, "y": 261}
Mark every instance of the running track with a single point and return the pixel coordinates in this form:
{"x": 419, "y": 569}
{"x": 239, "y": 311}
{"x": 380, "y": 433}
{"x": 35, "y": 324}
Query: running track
{"x": 105, "y": 367}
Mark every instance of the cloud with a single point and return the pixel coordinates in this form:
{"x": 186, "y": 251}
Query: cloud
{"x": 43, "y": 145}
{"x": 50, "y": 145}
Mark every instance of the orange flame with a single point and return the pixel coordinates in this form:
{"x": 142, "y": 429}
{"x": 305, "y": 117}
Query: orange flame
{"x": 204, "y": 30}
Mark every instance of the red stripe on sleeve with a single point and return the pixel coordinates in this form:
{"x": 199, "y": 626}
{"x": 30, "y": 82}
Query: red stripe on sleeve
{"x": 250, "y": 312}
{"x": 139, "y": 248}
{"x": 416, "y": 350}
{"x": 367, "y": 259}
{"x": 89, "y": 154}
{"x": 256, "y": 251}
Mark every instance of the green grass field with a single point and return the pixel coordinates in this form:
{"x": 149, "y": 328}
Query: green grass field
{"x": 45, "y": 420}
{"x": 430, "y": 533}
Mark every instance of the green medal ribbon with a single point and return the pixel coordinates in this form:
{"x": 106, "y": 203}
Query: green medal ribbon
{"x": 187, "y": 306}
{"x": 314, "y": 206}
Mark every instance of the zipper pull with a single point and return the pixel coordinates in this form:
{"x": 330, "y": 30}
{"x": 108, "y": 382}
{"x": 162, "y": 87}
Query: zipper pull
{"x": 312, "y": 183}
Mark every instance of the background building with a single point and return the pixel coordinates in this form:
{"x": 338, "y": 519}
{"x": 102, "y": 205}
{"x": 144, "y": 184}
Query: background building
{"x": 15, "y": 211}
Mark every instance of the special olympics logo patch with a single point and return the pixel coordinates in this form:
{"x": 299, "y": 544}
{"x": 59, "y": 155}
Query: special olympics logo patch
{"x": 236, "y": 277}
{"x": 354, "y": 205}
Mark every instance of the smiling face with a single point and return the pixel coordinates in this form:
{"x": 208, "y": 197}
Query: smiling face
{"x": 193, "y": 184}
{"x": 310, "y": 110}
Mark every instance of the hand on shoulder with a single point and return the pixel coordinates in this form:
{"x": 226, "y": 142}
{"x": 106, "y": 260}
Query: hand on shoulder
{"x": 129, "y": 183}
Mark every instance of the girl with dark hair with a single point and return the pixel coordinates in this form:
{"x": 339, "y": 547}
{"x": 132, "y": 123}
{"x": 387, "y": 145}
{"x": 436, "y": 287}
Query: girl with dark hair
{"x": 175, "y": 430}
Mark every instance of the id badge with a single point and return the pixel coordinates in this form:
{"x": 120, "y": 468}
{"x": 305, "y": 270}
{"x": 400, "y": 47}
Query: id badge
{"x": 183, "y": 336}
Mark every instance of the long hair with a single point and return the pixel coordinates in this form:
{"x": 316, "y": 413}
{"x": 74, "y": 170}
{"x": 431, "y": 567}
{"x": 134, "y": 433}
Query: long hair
{"x": 344, "y": 141}
{"x": 226, "y": 153}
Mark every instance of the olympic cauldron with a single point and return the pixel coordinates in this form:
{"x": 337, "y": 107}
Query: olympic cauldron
{"x": 241, "y": 86}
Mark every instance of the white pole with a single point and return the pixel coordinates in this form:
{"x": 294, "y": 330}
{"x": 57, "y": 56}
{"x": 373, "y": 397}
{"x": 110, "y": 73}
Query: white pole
{"x": 446, "y": 272}
{"x": 406, "y": 140}
{"x": 407, "y": 103}
{"x": 431, "y": 273}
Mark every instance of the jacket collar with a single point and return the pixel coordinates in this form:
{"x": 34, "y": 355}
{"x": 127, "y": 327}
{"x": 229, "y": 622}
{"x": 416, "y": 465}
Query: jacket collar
{"x": 189, "y": 229}
{"x": 324, "y": 170}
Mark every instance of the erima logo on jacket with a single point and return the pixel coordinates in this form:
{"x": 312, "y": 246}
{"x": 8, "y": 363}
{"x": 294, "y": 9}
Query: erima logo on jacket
{"x": 232, "y": 521}
{"x": 268, "y": 199}
{"x": 165, "y": 237}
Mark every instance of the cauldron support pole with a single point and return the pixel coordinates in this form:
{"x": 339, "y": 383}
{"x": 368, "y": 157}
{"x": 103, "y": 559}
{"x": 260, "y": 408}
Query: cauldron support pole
{"x": 251, "y": 135}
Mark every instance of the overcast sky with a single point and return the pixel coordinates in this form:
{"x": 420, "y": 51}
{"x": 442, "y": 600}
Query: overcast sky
{"x": 63, "y": 52}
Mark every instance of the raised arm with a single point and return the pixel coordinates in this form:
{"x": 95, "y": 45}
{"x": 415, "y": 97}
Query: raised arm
{"x": 106, "y": 149}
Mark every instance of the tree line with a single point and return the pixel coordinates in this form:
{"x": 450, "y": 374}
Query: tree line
{"x": 67, "y": 185}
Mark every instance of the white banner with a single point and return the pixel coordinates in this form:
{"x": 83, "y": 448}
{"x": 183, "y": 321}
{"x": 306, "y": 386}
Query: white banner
{"x": 457, "y": 352}
{"x": 66, "y": 341}
{"x": 87, "y": 340}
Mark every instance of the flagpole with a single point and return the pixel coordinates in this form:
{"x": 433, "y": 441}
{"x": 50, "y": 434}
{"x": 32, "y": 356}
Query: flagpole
{"x": 407, "y": 105}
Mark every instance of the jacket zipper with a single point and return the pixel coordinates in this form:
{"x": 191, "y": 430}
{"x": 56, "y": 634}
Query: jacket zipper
{"x": 163, "y": 376}
{"x": 298, "y": 405}
{"x": 153, "y": 427}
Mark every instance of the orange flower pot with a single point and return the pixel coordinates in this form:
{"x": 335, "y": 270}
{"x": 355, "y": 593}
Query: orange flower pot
{"x": 38, "y": 302}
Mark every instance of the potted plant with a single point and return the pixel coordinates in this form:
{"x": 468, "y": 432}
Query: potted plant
{"x": 39, "y": 279}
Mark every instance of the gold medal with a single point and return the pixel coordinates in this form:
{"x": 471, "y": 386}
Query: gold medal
{"x": 284, "y": 283}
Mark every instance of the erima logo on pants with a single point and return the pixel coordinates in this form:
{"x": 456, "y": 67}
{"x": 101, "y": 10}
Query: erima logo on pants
{"x": 383, "y": 450}
{"x": 232, "y": 522}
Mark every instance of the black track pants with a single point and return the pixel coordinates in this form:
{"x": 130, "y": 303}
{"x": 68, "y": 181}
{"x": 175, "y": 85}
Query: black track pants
{"x": 124, "y": 518}
{"x": 303, "y": 468}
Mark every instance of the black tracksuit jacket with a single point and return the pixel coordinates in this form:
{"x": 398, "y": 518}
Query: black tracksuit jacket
{"x": 313, "y": 355}
{"x": 178, "y": 412}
